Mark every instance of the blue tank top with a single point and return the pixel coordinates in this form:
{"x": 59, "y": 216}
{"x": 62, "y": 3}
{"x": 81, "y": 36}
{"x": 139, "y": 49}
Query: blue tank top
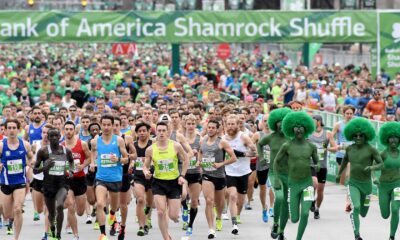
{"x": 84, "y": 138}
{"x": 14, "y": 164}
{"x": 341, "y": 140}
{"x": 315, "y": 94}
{"x": 77, "y": 120}
{"x": 35, "y": 134}
{"x": 107, "y": 170}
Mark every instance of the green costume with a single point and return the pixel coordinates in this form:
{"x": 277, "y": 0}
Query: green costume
{"x": 274, "y": 141}
{"x": 389, "y": 181}
{"x": 361, "y": 155}
{"x": 298, "y": 126}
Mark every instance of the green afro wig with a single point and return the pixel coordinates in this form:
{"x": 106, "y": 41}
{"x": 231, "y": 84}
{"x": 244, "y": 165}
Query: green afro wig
{"x": 388, "y": 130}
{"x": 359, "y": 125}
{"x": 277, "y": 115}
{"x": 295, "y": 119}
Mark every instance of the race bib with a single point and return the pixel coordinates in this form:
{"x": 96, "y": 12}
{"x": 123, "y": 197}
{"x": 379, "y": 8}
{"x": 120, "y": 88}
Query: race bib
{"x": 367, "y": 201}
{"x": 105, "y": 161}
{"x": 58, "y": 169}
{"x": 396, "y": 193}
{"x": 192, "y": 163}
{"x": 321, "y": 153}
{"x": 76, "y": 163}
{"x": 165, "y": 165}
{"x": 139, "y": 163}
{"x": 308, "y": 194}
{"x": 344, "y": 145}
{"x": 267, "y": 154}
{"x": 15, "y": 166}
{"x": 207, "y": 164}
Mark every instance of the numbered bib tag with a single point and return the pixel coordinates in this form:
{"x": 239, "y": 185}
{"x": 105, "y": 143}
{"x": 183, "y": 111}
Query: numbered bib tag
{"x": 207, "y": 164}
{"x": 14, "y": 166}
{"x": 192, "y": 163}
{"x": 321, "y": 153}
{"x": 396, "y": 193}
{"x": 308, "y": 194}
{"x": 105, "y": 161}
{"x": 76, "y": 163}
{"x": 139, "y": 163}
{"x": 267, "y": 154}
{"x": 367, "y": 201}
{"x": 58, "y": 169}
{"x": 166, "y": 165}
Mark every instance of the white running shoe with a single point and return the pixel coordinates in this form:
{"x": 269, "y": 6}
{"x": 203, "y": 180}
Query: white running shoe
{"x": 235, "y": 229}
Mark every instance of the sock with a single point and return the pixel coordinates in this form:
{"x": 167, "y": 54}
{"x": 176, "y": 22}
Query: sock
{"x": 234, "y": 222}
{"x": 193, "y": 213}
{"x": 146, "y": 210}
{"x": 53, "y": 231}
{"x": 112, "y": 213}
{"x": 122, "y": 232}
{"x": 184, "y": 204}
{"x": 103, "y": 229}
{"x": 10, "y": 222}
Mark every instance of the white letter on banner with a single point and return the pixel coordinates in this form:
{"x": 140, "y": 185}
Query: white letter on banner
{"x": 52, "y": 29}
{"x": 208, "y": 30}
{"x": 293, "y": 24}
{"x": 6, "y": 30}
{"x": 321, "y": 31}
{"x": 181, "y": 27}
{"x": 145, "y": 28}
{"x": 193, "y": 25}
{"x": 64, "y": 25}
{"x": 223, "y": 27}
{"x": 119, "y": 29}
{"x": 359, "y": 29}
{"x": 307, "y": 26}
{"x": 261, "y": 29}
{"x": 274, "y": 28}
{"x": 84, "y": 28}
{"x": 105, "y": 29}
{"x": 238, "y": 27}
{"x": 250, "y": 30}
{"x": 31, "y": 29}
{"x": 160, "y": 30}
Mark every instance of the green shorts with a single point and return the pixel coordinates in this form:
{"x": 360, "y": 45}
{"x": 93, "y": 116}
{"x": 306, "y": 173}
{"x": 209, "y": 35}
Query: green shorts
{"x": 387, "y": 188}
{"x": 364, "y": 187}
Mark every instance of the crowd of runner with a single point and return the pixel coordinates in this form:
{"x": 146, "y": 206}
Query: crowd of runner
{"x": 91, "y": 132}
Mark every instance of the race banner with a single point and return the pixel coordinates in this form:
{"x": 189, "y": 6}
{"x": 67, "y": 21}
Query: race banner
{"x": 189, "y": 27}
{"x": 390, "y": 42}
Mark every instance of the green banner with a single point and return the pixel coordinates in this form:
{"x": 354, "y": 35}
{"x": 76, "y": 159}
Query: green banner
{"x": 390, "y": 42}
{"x": 189, "y": 27}
{"x": 374, "y": 61}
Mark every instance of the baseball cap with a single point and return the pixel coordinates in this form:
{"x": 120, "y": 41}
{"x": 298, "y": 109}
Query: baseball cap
{"x": 164, "y": 118}
{"x": 319, "y": 119}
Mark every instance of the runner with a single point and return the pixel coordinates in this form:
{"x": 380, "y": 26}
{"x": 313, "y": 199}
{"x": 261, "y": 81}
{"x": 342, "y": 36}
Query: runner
{"x": 298, "y": 126}
{"x": 15, "y": 154}
{"x": 52, "y": 161}
{"x": 273, "y": 142}
{"x": 110, "y": 153}
{"x": 76, "y": 198}
{"x": 322, "y": 139}
{"x": 33, "y": 131}
{"x": 389, "y": 181}
{"x": 212, "y": 160}
{"x": 362, "y": 155}
{"x": 167, "y": 182}
{"x": 82, "y": 129}
{"x": 237, "y": 173}
{"x": 142, "y": 186}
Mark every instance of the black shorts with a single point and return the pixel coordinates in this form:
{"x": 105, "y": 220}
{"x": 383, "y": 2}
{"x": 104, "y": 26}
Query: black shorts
{"x": 37, "y": 185}
{"x": 193, "y": 178}
{"x": 169, "y": 188}
{"x": 321, "y": 175}
{"x": 9, "y": 189}
{"x": 239, "y": 182}
{"x": 143, "y": 181}
{"x": 253, "y": 166}
{"x": 51, "y": 192}
{"x": 77, "y": 185}
{"x": 126, "y": 182}
{"x": 339, "y": 160}
{"x": 110, "y": 186}
{"x": 313, "y": 172}
{"x": 219, "y": 183}
{"x": 91, "y": 178}
{"x": 262, "y": 176}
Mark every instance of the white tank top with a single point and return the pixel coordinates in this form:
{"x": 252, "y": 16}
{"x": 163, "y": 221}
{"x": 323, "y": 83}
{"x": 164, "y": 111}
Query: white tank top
{"x": 329, "y": 100}
{"x": 242, "y": 166}
{"x": 38, "y": 145}
{"x": 301, "y": 95}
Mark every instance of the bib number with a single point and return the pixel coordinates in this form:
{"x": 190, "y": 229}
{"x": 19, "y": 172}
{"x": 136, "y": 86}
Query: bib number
{"x": 308, "y": 194}
{"x": 321, "y": 154}
{"x": 267, "y": 154}
{"x": 207, "y": 164}
{"x": 76, "y": 163}
{"x": 396, "y": 193}
{"x": 14, "y": 166}
{"x": 139, "y": 163}
{"x": 367, "y": 201}
{"x": 58, "y": 169}
{"x": 105, "y": 161}
{"x": 192, "y": 163}
{"x": 166, "y": 165}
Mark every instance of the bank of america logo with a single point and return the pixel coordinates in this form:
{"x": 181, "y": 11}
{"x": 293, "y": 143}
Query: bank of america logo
{"x": 396, "y": 32}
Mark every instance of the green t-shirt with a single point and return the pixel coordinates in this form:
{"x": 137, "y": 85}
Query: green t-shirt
{"x": 6, "y": 100}
{"x": 4, "y": 81}
{"x": 61, "y": 90}
{"x": 34, "y": 92}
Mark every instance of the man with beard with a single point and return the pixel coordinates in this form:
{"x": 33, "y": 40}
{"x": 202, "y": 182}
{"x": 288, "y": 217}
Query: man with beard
{"x": 33, "y": 131}
{"x": 238, "y": 172}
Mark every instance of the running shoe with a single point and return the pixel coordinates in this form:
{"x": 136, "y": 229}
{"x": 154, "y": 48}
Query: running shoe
{"x": 75, "y": 238}
{"x": 218, "y": 224}
{"x": 211, "y": 234}
{"x": 185, "y": 215}
{"x": 44, "y": 236}
{"x": 238, "y": 221}
{"x": 312, "y": 208}
{"x": 89, "y": 219}
{"x": 248, "y": 206}
{"x": 348, "y": 207}
{"x": 10, "y": 231}
{"x": 185, "y": 226}
{"x": 113, "y": 229}
{"x": 1, "y": 223}
{"x": 391, "y": 238}
{"x": 146, "y": 229}
{"x": 141, "y": 232}
{"x": 281, "y": 236}
{"x": 96, "y": 226}
{"x": 274, "y": 232}
{"x": 225, "y": 216}
{"x": 271, "y": 212}
{"x": 149, "y": 223}
{"x": 68, "y": 230}
{"x": 265, "y": 215}
{"x": 36, "y": 216}
{"x": 235, "y": 229}
{"x": 316, "y": 214}
{"x": 146, "y": 210}
{"x": 358, "y": 238}
{"x": 121, "y": 235}
{"x": 103, "y": 237}
{"x": 189, "y": 231}
{"x": 111, "y": 219}
{"x": 93, "y": 212}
